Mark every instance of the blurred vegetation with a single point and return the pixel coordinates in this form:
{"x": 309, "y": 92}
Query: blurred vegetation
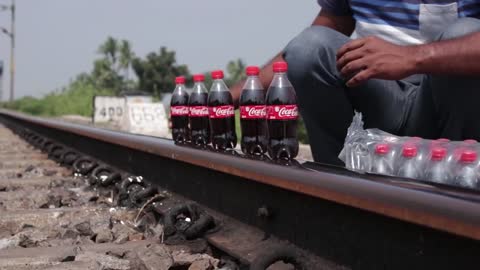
{"x": 76, "y": 98}
{"x": 111, "y": 75}
{"x": 156, "y": 73}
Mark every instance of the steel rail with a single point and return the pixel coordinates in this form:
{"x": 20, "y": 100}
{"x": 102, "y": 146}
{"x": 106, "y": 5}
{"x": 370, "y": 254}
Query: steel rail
{"x": 318, "y": 195}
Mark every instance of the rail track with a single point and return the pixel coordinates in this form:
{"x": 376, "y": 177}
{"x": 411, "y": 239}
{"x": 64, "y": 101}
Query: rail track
{"x": 251, "y": 212}
{"x": 50, "y": 219}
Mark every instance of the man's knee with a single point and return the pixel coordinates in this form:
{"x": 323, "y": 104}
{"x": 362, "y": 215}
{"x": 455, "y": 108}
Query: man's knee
{"x": 311, "y": 49}
{"x": 461, "y": 27}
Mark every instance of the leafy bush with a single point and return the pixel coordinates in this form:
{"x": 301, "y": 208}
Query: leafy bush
{"x": 75, "y": 99}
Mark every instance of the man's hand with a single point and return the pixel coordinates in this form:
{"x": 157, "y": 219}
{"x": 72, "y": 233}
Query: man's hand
{"x": 372, "y": 57}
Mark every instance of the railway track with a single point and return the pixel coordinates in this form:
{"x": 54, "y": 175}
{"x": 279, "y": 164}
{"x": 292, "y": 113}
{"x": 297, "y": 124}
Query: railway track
{"x": 234, "y": 211}
{"x": 51, "y": 219}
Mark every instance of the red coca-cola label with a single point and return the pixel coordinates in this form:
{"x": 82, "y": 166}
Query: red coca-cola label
{"x": 222, "y": 111}
{"x": 199, "y": 111}
{"x": 253, "y": 111}
{"x": 282, "y": 112}
{"x": 179, "y": 111}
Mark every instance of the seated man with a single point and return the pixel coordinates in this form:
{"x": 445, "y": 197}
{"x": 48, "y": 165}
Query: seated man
{"x": 412, "y": 69}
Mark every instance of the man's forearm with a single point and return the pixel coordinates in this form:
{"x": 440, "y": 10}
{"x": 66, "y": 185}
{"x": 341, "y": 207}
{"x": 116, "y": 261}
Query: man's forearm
{"x": 460, "y": 56}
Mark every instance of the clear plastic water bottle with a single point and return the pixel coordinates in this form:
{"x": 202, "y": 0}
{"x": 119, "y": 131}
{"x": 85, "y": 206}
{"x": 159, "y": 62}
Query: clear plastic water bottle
{"x": 442, "y": 141}
{"x": 456, "y": 150}
{"x": 382, "y": 160}
{"x": 470, "y": 142}
{"x": 466, "y": 174}
{"x": 408, "y": 164}
{"x": 437, "y": 170}
{"x": 423, "y": 151}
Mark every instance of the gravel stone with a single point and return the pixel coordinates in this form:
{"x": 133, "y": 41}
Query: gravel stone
{"x": 204, "y": 264}
{"x": 155, "y": 257}
{"x": 84, "y": 228}
{"x": 104, "y": 236}
{"x": 180, "y": 257}
{"x": 103, "y": 261}
{"x": 135, "y": 237}
{"x": 69, "y": 234}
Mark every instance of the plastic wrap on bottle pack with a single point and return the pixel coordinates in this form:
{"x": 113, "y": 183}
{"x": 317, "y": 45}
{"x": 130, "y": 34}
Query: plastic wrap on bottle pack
{"x": 368, "y": 150}
{"x": 437, "y": 161}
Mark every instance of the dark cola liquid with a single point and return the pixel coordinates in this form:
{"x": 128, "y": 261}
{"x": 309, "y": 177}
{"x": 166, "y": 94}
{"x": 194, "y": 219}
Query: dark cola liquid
{"x": 180, "y": 132}
{"x": 222, "y": 130}
{"x": 254, "y": 130}
{"x": 199, "y": 126}
{"x": 282, "y": 134}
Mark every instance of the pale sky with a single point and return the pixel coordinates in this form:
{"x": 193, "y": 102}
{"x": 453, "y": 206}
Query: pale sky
{"x": 58, "y": 39}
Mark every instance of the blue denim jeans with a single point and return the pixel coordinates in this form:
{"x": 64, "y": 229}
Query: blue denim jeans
{"x": 420, "y": 105}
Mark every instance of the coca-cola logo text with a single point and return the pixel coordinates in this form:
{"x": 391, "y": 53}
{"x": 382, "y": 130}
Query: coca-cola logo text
{"x": 179, "y": 110}
{"x": 253, "y": 111}
{"x": 199, "y": 111}
{"x": 282, "y": 112}
{"x": 222, "y": 111}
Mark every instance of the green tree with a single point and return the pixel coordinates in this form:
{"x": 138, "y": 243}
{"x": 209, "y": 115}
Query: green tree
{"x": 109, "y": 50}
{"x": 156, "y": 73}
{"x": 111, "y": 70}
{"x": 105, "y": 76}
{"x": 236, "y": 72}
{"x": 126, "y": 57}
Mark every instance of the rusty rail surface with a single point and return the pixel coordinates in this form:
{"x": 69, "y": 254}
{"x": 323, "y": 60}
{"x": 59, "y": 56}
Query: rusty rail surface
{"x": 361, "y": 221}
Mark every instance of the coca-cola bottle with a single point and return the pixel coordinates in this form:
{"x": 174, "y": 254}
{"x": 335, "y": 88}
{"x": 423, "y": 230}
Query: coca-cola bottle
{"x": 437, "y": 169}
{"x": 466, "y": 174}
{"x": 382, "y": 159}
{"x": 253, "y": 115}
{"x": 409, "y": 166}
{"x": 282, "y": 115}
{"x": 222, "y": 114}
{"x": 179, "y": 111}
{"x": 198, "y": 104}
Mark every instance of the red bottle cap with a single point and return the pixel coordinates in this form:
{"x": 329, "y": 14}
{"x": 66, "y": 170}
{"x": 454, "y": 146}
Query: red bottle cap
{"x": 468, "y": 156}
{"x": 280, "y": 66}
{"x": 217, "y": 74}
{"x": 382, "y": 148}
{"x": 198, "y": 78}
{"x": 180, "y": 80}
{"x": 438, "y": 153}
{"x": 253, "y": 71}
{"x": 443, "y": 140}
{"x": 470, "y": 141}
{"x": 409, "y": 150}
